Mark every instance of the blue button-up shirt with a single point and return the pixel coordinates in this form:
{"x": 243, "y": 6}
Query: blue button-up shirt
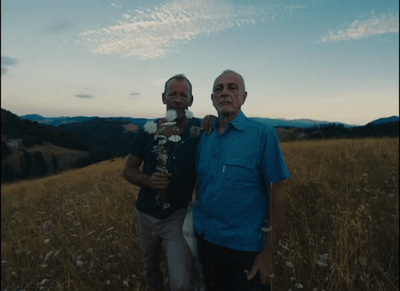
{"x": 234, "y": 170}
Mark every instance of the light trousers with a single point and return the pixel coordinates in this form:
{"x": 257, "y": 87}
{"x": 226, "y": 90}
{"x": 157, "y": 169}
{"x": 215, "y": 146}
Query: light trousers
{"x": 153, "y": 233}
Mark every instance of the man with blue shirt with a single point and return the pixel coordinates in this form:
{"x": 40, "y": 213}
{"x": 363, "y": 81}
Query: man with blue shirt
{"x": 240, "y": 215}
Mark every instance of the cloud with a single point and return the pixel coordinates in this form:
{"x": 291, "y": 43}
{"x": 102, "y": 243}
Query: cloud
{"x": 85, "y": 96}
{"x": 153, "y": 33}
{"x": 134, "y": 95}
{"x": 6, "y": 62}
{"x": 57, "y": 26}
{"x": 362, "y": 29}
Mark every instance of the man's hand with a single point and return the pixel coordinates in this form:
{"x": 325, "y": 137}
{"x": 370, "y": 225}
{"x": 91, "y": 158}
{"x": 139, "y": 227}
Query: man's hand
{"x": 207, "y": 123}
{"x": 159, "y": 181}
{"x": 264, "y": 265}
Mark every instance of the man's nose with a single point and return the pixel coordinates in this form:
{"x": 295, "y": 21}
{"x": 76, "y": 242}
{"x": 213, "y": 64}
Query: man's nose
{"x": 224, "y": 91}
{"x": 178, "y": 98}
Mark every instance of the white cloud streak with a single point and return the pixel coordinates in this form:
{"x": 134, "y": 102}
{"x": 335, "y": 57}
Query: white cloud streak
{"x": 153, "y": 33}
{"x": 363, "y": 29}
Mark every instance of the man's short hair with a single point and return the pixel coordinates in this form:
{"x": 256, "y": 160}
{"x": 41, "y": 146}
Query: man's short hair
{"x": 177, "y": 77}
{"x": 233, "y": 72}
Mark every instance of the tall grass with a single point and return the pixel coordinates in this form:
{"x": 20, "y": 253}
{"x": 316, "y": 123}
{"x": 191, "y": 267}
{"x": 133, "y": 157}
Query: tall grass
{"x": 342, "y": 216}
{"x": 77, "y": 230}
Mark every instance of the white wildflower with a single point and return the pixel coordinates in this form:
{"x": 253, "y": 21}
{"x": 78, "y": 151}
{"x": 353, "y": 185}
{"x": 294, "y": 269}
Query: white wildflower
{"x": 323, "y": 260}
{"x": 290, "y": 264}
{"x": 188, "y": 113}
{"x": 79, "y": 263}
{"x": 49, "y": 256}
{"x": 299, "y": 286}
{"x": 169, "y": 123}
{"x": 162, "y": 140}
{"x": 175, "y": 138}
{"x": 171, "y": 115}
{"x": 266, "y": 229}
{"x": 150, "y": 127}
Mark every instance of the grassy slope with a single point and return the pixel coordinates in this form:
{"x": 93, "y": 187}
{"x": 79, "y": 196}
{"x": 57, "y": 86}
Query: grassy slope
{"x": 76, "y": 230}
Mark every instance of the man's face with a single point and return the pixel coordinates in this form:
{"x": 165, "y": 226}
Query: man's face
{"x": 178, "y": 97}
{"x": 228, "y": 95}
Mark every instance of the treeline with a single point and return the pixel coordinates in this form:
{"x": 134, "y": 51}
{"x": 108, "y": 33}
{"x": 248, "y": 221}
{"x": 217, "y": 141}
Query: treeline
{"x": 107, "y": 138}
{"x": 33, "y": 133}
{"x": 337, "y": 130}
{"x": 101, "y": 138}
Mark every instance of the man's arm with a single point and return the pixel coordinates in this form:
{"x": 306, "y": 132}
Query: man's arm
{"x": 265, "y": 261}
{"x": 157, "y": 181}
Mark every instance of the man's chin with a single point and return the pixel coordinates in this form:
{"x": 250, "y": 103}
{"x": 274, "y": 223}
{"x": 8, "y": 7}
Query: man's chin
{"x": 181, "y": 113}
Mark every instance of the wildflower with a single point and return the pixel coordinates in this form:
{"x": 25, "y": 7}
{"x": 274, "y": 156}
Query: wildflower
{"x": 175, "y": 138}
{"x": 171, "y": 115}
{"x": 266, "y": 229}
{"x": 323, "y": 260}
{"x": 49, "y": 256}
{"x": 150, "y": 127}
{"x": 289, "y": 264}
{"x": 299, "y": 286}
{"x": 188, "y": 113}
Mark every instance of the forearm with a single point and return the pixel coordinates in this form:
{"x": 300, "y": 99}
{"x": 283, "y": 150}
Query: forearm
{"x": 136, "y": 177}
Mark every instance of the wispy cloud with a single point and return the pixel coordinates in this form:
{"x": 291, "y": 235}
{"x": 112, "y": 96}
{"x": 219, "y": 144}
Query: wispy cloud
{"x": 153, "y": 33}
{"x": 134, "y": 95}
{"x": 362, "y": 29}
{"x": 6, "y": 62}
{"x": 57, "y": 26}
{"x": 84, "y": 96}
{"x": 115, "y": 5}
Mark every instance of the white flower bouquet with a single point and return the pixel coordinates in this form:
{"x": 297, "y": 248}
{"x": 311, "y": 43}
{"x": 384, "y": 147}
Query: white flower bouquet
{"x": 166, "y": 132}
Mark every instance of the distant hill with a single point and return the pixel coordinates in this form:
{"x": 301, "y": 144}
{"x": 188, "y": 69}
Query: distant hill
{"x": 106, "y": 138}
{"x": 274, "y": 122}
{"x": 385, "y": 120}
{"x": 93, "y": 139}
{"x": 57, "y": 121}
{"x": 299, "y": 123}
{"x": 36, "y": 133}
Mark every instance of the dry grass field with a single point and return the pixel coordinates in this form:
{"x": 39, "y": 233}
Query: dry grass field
{"x": 77, "y": 231}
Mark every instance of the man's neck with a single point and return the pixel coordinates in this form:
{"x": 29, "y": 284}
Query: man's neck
{"x": 181, "y": 122}
{"x": 224, "y": 120}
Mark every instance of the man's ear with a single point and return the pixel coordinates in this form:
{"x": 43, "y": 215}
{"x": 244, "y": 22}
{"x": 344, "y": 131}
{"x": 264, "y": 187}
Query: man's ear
{"x": 244, "y": 97}
{"x": 191, "y": 100}
{"x": 163, "y": 98}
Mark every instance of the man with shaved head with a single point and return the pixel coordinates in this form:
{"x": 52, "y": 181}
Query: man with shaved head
{"x": 240, "y": 173}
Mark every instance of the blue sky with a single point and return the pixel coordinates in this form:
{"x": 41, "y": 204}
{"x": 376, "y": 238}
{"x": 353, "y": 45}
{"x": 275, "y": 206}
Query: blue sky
{"x": 325, "y": 60}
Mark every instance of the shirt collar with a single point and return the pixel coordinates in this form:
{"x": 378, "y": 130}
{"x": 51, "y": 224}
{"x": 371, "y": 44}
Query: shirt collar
{"x": 237, "y": 123}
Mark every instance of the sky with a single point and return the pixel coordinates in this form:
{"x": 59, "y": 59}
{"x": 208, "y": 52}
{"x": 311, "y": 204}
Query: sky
{"x": 327, "y": 60}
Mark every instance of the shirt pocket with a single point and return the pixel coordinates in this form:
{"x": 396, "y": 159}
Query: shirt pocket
{"x": 240, "y": 172}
